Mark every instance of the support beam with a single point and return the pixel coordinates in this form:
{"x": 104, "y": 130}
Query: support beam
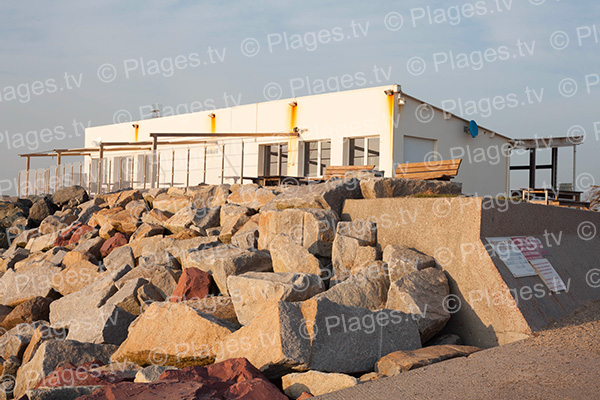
{"x": 532, "y": 168}
{"x": 27, "y": 167}
{"x": 554, "y": 173}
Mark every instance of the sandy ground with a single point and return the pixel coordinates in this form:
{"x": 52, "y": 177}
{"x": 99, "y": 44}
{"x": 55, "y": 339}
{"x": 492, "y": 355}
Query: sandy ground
{"x": 560, "y": 363}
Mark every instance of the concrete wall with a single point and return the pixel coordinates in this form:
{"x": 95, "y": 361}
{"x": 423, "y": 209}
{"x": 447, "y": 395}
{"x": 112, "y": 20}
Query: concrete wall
{"x": 495, "y": 308}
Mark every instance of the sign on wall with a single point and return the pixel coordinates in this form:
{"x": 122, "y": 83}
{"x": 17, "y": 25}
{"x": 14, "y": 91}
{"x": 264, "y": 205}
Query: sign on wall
{"x": 512, "y": 257}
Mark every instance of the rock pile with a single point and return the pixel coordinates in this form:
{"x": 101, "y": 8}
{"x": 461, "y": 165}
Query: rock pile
{"x": 210, "y": 291}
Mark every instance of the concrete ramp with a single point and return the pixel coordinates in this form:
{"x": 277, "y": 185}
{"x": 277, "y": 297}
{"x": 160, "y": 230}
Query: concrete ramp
{"x": 489, "y": 305}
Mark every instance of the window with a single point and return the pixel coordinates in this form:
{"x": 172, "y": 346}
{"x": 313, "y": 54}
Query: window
{"x": 317, "y": 157}
{"x": 364, "y": 151}
{"x": 275, "y": 159}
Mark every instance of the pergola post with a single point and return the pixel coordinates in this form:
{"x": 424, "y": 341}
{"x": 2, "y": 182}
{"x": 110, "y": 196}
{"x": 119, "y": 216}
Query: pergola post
{"x": 100, "y": 162}
{"x": 532, "y": 167}
{"x": 27, "y": 166}
{"x": 154, "y": 172}
{"x": 574, "y": 167}
{"x": 554, "y": 173}
{"x": 57, "y": 173}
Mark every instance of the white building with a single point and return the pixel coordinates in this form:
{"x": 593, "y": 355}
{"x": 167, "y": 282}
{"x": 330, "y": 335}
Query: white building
{"x": 382, "y": 126}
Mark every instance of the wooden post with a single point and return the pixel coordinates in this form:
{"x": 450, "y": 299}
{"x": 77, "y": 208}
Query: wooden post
{"x": 532, "y": 166}
{"x": 35, "y": 185}
{"x": 27, "y": 166}
{"x": 145, "y": 169}
{"x": 554, "y": 176}
{"x": 72, "y": 182}
{"x": 80, "y": 172}
{"x": 57, "y": 171}
{"x": 187, "y": 179}
{"x": 154, "y": 172}
{"x": 100, "y": 162}
{"x": 90, "y": 177}
{"x": 242, "y": 164}
{"x": 109, "y": 180}
{"x": 158, "y": 171}
{"x": 172, "y": 167}
{"x": 222, "y": 162}
{"x": 278, "y": 160}
{"x": 204, "y": 171}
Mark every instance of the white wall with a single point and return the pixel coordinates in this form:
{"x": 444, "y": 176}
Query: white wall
{"x": 484, "y": 167}
{"x": 336, "y": 116}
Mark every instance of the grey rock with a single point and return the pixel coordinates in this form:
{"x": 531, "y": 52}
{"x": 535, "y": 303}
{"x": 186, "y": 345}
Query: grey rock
{"x": 90, "y": 247}
{"x": 127, "y": 296}
{"x": 315, "y": 383}
{"x": 189, "y": 216}
{"x": 151, "y": 373}
{"x": 364, "y": 231}
{"x": 224, "y": 261}
{"x": 250, "y": 291}
{"x": 53, "y": 353}
{"x": 119, "y": 257}
{"x": 27, "y": 282}
{"x": 107, "y": 324}
{"x": 422, "y": 293}
{"x": 313, "y": 229}
{"x": 71, "y": 196}
{"x": 61, "y": 392}
{"x": 402, "y": 260}
{"x": 376, "y": 188}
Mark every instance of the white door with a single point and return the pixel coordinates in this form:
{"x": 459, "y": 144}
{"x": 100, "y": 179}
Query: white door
{"x": 417, "y": 149}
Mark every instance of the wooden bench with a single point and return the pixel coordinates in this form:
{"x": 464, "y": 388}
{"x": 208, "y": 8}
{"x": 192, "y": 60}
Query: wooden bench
{"x": 442, "y": 170}
{"x": 339, "y": 171}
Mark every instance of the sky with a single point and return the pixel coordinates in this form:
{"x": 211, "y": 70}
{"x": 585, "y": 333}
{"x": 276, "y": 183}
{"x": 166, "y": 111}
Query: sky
{"x": 524, "y": 68}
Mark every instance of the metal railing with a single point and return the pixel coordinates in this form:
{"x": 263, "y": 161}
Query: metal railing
{"x": 225, "y": 161}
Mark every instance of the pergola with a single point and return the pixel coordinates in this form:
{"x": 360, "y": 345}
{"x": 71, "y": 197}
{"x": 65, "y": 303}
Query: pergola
{"x": 553, "y": 143}
{"x": 153, "y": 145}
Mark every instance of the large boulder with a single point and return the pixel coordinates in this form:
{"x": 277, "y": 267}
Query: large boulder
{"x": 193, "y": 284}
{"x": 172, "y": 334}
{"x": 117, "y": 240}
{"x": 189, "y": 216}
{"x": 71, "y": 196}
{"x": 11, "y": 212}
{"x": 35, "y": 309}
{"x": 328, "y": 196}
{"x": 288, "y": 256}
{"x": 146, "y": 230}
{"x": 53, "y": 353}
{"x": 40, "y": 210}
{"x": 75, "y": 277}
{"x": 79, "y": 308}
{"x": 12, "y": 256}
{"x": 170, "y": 203}
{"x": 313, "y": 229}
{"x": 402, "y": 260}
{"x": 315, "y": 382}
{"x": 376, "y": 188}
{"x": 364, "y": 231}
{"x": 252, "y": 290}
{"x": 402, "y": 361}
{"x": 124, "y": 221}
{"x": 423, "y": 294}
{"x": 351, "y": 339}
{"x": 107, "y": 324}
{"x": 367, "y": 287}
{"x": 29, "y": 281}
{"x": 42, "y": 243}
{"x": 224, "y": 261}
{"x": 276, "y": 342}
{"x": 119, "y": 257}
{"x": 121, "y": 198}
{"x": 252, "y": 197}
{"x": 207, "y": 196}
